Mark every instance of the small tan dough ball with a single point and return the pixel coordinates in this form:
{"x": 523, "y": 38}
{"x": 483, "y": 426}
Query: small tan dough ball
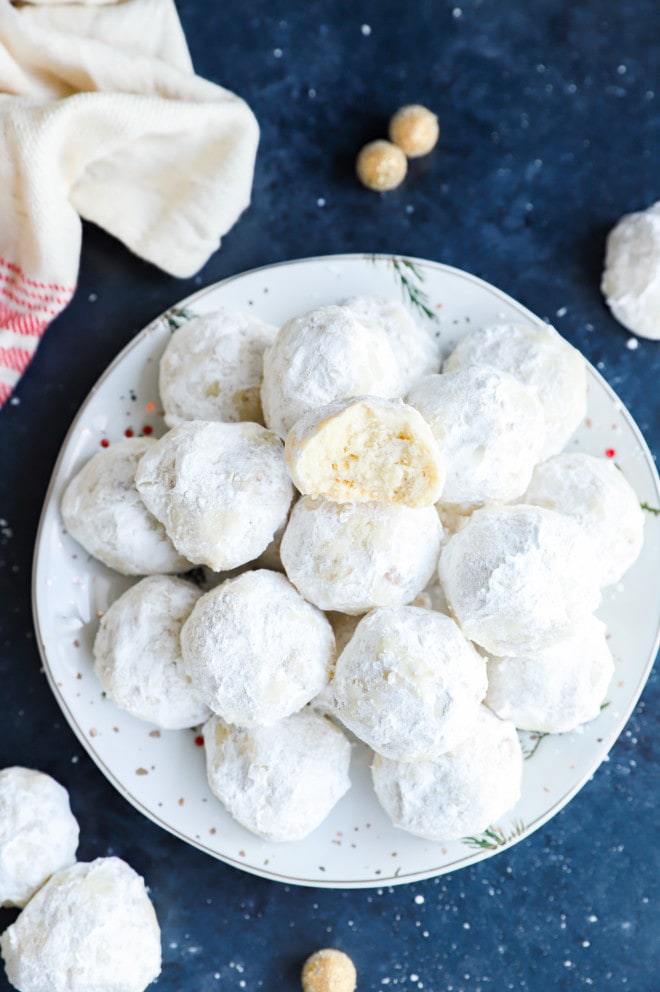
{"x": 381, "y": 166}
{"x": 328, "y": 970}
{"x": 415, "y": 130}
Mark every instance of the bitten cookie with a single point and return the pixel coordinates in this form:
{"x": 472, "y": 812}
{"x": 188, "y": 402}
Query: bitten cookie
{"x": 103, "y": 511}
{"x": 540, "y": 359}
{"x": 325, "y": 355}
{"x": 461, "y": 792}
{"x": 137, "y": 653}
{"x": 220, "y": 490}
{"x": 91, "y": 926}
{"x": 281, "y": 781}
{"x": 38, "y": 832}
{"x": 366, "y": 448}
{"x": 631, "y": 277}
{"x": 408, "y": 683}
{"x": 255, "y": 650}
{"x": 212, "y": 368}
{"x": 350, "y": 557}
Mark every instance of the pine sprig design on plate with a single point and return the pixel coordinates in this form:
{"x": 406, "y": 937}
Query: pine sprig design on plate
{"x": 655, "y": 510}
{"x": 530, "y": 741}
{"x": 494, "y": 837}
{"x": 176, "y": 316}
{"x": 410, "y": 278}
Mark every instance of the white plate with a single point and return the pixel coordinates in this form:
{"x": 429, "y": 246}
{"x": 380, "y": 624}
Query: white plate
{"x": 162, "y": 773}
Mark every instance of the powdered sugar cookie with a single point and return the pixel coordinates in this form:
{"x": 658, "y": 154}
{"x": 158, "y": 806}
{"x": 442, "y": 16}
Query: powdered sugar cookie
{"x": 408, "y": 683}
{"x": 350, "y": 557}
{"x": 518, "y": 577}
{"x": 281, "y": 781}
{"x": 220, "y": 490}
{"x": 255, "y": 650}
{"x": 558, "y": 687}
{"x": 459, "y": 793}
{"x": 631, "y": 277}
{"x": 137, "y": 653}
{"x": 91, "y": 926}
{"x": 322, "y": 356}
{"x": 38, "y": 832}
{"x": 103, "y": 511}
{"x": 599, "y": 497}
{"x": 489, "y": 428}
{"x": 212, "y": 367}
{"x": 366, "y": 448}
{"x": 540, "y": 359}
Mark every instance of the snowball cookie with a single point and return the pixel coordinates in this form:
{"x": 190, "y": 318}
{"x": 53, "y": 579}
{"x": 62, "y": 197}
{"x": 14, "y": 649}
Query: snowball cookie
{"x": 212, "y": 366}
{"x": 416, "y": 349}
{"x": 281, "y": 781}
{"x": 461, "y": 792}
{"x": 91, "y": 928}
{"x": 631, "y": 278}
{"x": 103, "y": 511}
{"x": 221, "y": 490}
{"x": 539, "y": 358}
{"x": 255, "y": 650}
{"x": 555, "y": 689}
{"x": 366, "y": 448}
{"x": 517, "y": 577}
{"x": 137, "y": 653}
{"x": 350, "y": 557}
{"x": 408, "y": 683}
{"x": 599, "y": 497}
{"x": 38, "y": 832}
{"x": 322, "y": 356}
{"x": 489, "y": 428}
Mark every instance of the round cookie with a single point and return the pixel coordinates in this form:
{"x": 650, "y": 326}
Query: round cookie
{"x": 38, "y": 832}
{"x": 255, "y": 650}
{"x": 489, "y": 428}
{"x": 365, "y": 449}
{"x": 212, "y": 368}
{"x": 137, "y": 653}
{"x": 220, "y": 490}
{"x": 558, "y": 687}
{"x": 350, "y": 557}
{"x": 518, "y": 577}
{"x": 540, "y": 359}
{"x": 325, "y": 355}
{"x": 103, "y": 511}
{"x": 599, "y": 497}
{"x": 460, "y": 793}
{"x": 631, "y": 277}
{"x": 417, "y": 349}
{"x": 90, "y": 927}
{"x": 281, "y": 781}
{"x": 408, "y": 683}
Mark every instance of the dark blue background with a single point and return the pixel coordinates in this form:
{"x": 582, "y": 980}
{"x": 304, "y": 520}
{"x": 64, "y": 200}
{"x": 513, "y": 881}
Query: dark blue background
{"x": 550, "y": 116}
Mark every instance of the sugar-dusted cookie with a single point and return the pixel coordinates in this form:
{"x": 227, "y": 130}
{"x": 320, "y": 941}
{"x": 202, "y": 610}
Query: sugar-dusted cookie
{"x": 631, "y": 277}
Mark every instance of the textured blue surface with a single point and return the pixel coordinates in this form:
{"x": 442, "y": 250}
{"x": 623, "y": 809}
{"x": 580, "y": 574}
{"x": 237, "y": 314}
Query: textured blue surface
{"x": 550, "y": 131}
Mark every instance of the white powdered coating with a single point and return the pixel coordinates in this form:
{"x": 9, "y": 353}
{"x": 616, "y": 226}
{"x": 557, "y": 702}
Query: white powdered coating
{"x": 103, "y": 511}
{"x": 220, "y": 490}
{"x": 540, "y": 359}
{"x": 365, "y": 449}
{"x": 599, "y": 497}
{"x": 408, "y": 683}
{"x": 38, "y": 832}
{"x": 558, "y": 687}
{"x": 279, "y": 782}
{"x": 91, "y": 928}
{"x": 461, "y": 792}
{"x": 518, "y": 577}
{"x": 417, "y": 349}
{"x": 137, "y": 653}
{"x": 350, "y": 557}
{"x": 322, "y": 356}
{"x": 489, "y": 428}
{"x": 631, "y": 277}
{"x": 255, "y": 650}
{"x": 212, "y": 368}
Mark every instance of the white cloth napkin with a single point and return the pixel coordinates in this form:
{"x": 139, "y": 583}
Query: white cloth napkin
{"x": 102, "y": 117}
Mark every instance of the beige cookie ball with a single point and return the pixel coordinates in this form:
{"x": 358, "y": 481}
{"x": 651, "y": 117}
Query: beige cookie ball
{"x": 381, "y": 166}
{"x": 415, "y": 130}
{"x": 328, "y": 970}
